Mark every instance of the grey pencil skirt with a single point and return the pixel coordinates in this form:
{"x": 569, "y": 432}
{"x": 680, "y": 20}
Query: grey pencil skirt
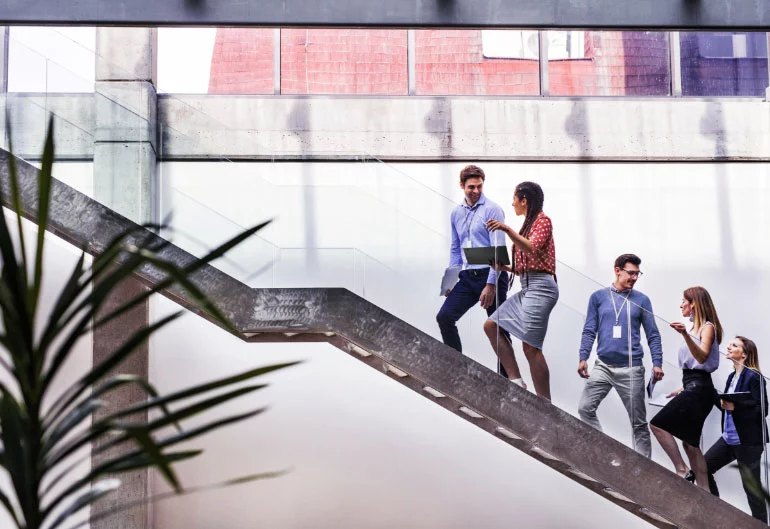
{"x": 525, "y": 314}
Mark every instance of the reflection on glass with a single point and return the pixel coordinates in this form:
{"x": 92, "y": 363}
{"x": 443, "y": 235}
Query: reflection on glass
{"x": 724, "y": 64}
{"x": 608, "y": 63}
{"x": 343, "y": 61}
{"x": 51, "y": 59}
{"x": 185, "y": 62}
{"x": 476, "y": 62}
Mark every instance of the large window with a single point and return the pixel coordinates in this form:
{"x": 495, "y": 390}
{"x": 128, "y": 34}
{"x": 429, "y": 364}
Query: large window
{"x": 476, "y": 62}
{"x": 724, "y": 64}
{"x": 343, "y": 61}
{"x": 608, "y": 63}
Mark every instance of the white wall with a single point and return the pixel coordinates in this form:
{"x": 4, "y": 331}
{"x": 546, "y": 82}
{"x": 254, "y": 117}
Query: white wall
{"x": 691, "y": 223}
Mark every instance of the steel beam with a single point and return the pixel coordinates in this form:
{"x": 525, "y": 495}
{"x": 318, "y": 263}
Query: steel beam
{"x": 610, "y": 14}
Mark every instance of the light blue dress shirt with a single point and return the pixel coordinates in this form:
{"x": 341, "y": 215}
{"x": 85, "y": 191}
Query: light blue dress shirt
{"x": 469, "y": 230}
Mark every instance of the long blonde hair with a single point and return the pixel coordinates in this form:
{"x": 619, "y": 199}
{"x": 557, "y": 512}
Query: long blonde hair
{"x": 752, "y": 356}
{"x": 704, "y": 309}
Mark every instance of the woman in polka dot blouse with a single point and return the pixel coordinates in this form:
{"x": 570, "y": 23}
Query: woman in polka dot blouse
{"x": 525, "y": 314}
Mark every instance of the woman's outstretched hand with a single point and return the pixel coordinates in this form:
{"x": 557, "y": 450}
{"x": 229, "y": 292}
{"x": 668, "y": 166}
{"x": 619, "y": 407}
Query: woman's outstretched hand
{"x": 493, "y": 225}
{"x": 679, "y": 327}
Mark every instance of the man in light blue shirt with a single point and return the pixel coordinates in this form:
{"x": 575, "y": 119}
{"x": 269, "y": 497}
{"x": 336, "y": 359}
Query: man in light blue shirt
{"x": 477, "y": 283}
{"x": 614, "y": 319}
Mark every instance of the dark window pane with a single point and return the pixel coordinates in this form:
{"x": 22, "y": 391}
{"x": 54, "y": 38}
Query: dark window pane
{"x": 476, "y": 62}
{"x": 724, "y": 64}
{"x": 608, "y": 63}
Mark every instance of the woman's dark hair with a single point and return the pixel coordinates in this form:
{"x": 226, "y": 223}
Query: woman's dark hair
{"x": 535, "y": 198}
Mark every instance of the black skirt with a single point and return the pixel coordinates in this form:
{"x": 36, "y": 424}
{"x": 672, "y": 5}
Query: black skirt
{"x": 685, "y": 415}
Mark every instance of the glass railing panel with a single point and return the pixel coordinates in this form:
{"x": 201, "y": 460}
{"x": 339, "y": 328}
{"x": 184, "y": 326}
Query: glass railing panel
{"x": 51, "y": 59}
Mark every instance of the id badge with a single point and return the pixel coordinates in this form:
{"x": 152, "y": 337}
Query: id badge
{"x": 616, "y": 331}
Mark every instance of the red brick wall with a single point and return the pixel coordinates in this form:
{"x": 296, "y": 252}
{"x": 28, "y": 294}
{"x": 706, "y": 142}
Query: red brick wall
{"x": 343, "y": 61}
{"x": 452, "y": 62}
{"x": 616, "y": 64}
{"x": 242, "y": 62}
{"x": 447, "y": 62}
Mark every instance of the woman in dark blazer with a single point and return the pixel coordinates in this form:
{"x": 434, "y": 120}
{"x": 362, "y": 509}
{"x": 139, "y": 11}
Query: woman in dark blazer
{"x": 744, "y": 431}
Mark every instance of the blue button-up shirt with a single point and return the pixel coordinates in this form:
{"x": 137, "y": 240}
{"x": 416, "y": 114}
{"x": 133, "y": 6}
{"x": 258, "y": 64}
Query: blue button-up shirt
{"x": 469, "y": 230}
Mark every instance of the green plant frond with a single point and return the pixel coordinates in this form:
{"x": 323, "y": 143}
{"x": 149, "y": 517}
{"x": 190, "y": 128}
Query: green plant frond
{"x": 57, "y": 456}
{"x": 186, "y": 272}
{"x": 195, "y": 391}
{"x": 225, "y": 247}
{"x": 187, "y": 435}
{"x": 181, "y": 277}
{"x": 139, "y": 460}
{"x": 62, "y": 315}
{"x": 66, "y": 299}
{"x": 13, "y": 174}
{"x": 15, "y": 451}
{"x": 113, "y": 360}
{"x": 187, "y": 491}
{"x": 183, "y": 413}
{"x": 43, "y": 205}
{"x": 174, "y": 417}
{"x": 97, "y": 491}
{"x": 8, "y": 506}
{"x": 103, "y": 284}
{"x": 109, "y": 385}
{"x": 155, "y": 458}
{"x": 135, "y": 460}
{"x": 70, "y": 421}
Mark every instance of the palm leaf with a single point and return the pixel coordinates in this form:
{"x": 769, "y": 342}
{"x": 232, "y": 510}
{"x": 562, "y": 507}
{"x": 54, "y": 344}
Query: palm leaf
{"x": 39, "y": 446}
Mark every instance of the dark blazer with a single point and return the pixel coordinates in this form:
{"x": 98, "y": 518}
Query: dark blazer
{"x": 748, "y": 414}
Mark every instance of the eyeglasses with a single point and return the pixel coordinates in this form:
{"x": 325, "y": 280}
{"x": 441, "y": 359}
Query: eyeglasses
{"x": 633, "y": 273}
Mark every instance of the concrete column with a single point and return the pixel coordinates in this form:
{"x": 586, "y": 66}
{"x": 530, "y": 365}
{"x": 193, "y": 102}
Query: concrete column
{"x": 135, "y": 485}
{"x": 125, "y": 143}
{"x": 125, "y": 159}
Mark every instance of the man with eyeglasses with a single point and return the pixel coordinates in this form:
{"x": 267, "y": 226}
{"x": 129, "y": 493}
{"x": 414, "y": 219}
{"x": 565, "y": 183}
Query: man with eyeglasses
{"x": 614, "y": 317}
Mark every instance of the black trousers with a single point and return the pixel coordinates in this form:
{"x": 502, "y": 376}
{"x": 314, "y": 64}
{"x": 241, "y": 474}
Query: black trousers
{"x": 722, "y": 454}
{"x": 465, "y": 295}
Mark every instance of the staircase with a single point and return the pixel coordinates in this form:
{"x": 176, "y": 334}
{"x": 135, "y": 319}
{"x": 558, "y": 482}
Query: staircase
{"x": 411, "y": 357}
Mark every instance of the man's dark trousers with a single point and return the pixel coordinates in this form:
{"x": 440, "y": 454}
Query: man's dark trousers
{"x": 465, "y": 295}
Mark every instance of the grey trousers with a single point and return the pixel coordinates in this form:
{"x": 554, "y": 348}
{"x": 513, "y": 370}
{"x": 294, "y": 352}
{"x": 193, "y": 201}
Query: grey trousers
{"x": 629, "y": 383}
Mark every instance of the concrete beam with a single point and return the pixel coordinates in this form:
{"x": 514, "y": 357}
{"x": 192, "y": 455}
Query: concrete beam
{"x": 204, "y": 127}
{"x": 446, "y": 128}
{"x": 645, "y": 14}
{"x": 27, "y": 117}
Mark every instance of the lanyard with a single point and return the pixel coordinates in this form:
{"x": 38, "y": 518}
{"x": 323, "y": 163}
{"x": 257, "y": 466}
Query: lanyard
{"x": 469, "y": 221}
{"x": 615, "y": 308}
